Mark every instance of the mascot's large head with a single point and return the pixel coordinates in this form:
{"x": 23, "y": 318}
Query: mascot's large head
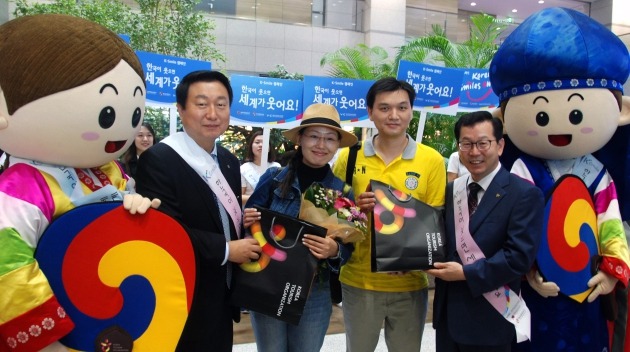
{"x": 72, "y": 92}
{"x": 559, "y": 77}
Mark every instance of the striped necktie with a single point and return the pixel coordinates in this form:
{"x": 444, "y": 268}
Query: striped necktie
{"x": 473, "y": 189}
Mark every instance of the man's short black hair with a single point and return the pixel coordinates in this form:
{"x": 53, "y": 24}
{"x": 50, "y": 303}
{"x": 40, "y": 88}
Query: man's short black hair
{"x": 476, "y": 117}
{"x": 181, "y": 92}
{"x": 389, "y": 84}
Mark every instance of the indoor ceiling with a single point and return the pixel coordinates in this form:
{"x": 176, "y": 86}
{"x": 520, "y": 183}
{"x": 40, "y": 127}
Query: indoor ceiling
{"x": 524, "y": 8}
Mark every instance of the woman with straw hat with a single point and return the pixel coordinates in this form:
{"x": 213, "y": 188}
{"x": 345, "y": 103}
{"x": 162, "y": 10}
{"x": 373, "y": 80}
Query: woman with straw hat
{"x": 318, "y": 137}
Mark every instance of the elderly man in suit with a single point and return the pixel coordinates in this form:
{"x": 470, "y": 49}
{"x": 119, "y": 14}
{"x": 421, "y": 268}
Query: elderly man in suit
{"x": 199, "y": 184}
{"x": 493, "y": 224}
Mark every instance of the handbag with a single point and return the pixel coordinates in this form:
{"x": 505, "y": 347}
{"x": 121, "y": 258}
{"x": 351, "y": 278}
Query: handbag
{"x": 407, "y": 234}
{"x": 278, "y": 283}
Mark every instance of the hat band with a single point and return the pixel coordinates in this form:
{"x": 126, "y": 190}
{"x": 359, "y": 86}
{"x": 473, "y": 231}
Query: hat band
{"x": 320, "y": 120}
{"x": 572, "y": 83}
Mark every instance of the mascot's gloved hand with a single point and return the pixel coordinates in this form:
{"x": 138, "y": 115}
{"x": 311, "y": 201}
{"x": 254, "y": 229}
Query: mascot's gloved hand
{"x": 604, "y": 284}
{"x": 136, "y": 203}
{"x": 545, "y": 289}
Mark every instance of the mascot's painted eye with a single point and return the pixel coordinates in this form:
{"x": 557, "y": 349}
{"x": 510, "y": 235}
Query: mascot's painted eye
{"x": 542, "y": 118}
{"x": 575, "y": 117}
{"x": 135, "y": 120}
{"x": 107, "y": 117}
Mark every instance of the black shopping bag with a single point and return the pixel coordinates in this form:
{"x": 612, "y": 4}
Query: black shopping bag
{"x": 279, "y": 282}
{"x": 407, "y": 234}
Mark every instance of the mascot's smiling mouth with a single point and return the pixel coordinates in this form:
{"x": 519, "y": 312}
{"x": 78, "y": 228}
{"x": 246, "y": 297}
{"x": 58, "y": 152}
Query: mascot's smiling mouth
{"x": 114, "y": 146}
{"x": 560, "y": 140}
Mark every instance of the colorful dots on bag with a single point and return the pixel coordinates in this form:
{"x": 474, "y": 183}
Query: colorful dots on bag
{"x": 389, "y": 217}
{"x": 278, "y": 231}
{"x": 268, "y": 251}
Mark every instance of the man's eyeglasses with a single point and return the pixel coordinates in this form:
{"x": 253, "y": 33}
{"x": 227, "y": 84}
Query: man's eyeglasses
{"x": 481, "y": 145}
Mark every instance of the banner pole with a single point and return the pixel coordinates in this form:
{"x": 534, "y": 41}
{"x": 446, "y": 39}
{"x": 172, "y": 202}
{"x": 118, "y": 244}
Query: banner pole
{"x": 421, "y": 122}
{"x": 265, "y": 149}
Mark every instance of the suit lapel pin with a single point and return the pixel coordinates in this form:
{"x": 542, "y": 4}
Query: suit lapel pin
{"x": 498, "y": 195}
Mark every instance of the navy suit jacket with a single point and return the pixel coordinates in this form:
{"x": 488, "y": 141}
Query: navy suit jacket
{"x": 506, "y": 226}
{"x": 185, "y": 196}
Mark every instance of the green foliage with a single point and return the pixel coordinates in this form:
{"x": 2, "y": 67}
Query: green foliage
{"x": 169, "y": 27}
{"x": 159, "y": 119}
{"x": 281, "y": 72}
{"x": 438, "y": 133}
{"x": 112, "y": 14}
{"x": 360, "y": 62}
{"x": 476, "y": 52}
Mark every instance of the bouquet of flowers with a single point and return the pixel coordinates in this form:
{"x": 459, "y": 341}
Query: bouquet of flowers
{"x": 330, "y": 209}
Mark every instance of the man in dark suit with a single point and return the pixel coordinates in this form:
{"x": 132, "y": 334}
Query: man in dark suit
{"x": 199, "y": 184}
{"x": 493, "y": 225}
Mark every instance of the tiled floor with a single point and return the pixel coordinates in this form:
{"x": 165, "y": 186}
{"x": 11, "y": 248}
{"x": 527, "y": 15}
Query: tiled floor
{"x": 335, "y": 338}
{"x": 337, "y": 343}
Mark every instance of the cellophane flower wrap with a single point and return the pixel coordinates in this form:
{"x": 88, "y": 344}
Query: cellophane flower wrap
{"x": 329, "y": 208}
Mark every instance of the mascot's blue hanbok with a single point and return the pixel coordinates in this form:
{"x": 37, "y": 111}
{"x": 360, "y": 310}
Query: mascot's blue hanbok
{"x": 559, "y": 77}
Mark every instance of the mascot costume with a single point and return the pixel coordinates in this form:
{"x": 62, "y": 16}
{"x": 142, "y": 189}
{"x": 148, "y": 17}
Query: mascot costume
{"x": 559, "y": 77}
{"x": 72, "y": 98}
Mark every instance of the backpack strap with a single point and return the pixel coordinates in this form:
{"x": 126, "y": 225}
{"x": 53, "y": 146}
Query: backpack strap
{"x": 352, "y": 161}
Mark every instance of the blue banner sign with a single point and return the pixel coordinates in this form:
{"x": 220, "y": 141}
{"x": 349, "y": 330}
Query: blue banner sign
{"x": 347, "y": 95}
{"x": 260, "y": 101}
{"x": 437, "y": 88}
{"x": 162, "y": 74}
{"x": 476, "y": 90}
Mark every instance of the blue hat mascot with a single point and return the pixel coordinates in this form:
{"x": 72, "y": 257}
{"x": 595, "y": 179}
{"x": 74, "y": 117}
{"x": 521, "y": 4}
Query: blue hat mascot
{"x": 559, "y": 77}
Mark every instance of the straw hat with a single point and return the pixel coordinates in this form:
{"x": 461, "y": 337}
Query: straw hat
{"x": 324, "y": 115}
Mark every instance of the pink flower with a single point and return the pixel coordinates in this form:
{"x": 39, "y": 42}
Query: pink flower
{"x": 343, "y": 202}
{"x": 351, "y": 222}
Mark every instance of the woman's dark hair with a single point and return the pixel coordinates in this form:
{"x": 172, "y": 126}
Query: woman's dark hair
{"x": 249, "y": 154}
{"x": 293, "y": 165}
{"x": 131, "y": 153}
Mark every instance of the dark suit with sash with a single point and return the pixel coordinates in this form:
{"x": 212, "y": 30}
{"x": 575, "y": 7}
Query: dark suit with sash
{"x": 506, "y": 226}
{"x": 185, "y": 196}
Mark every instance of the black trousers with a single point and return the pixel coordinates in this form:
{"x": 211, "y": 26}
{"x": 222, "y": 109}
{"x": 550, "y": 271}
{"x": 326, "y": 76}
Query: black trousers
{"x": 445, "y": 343}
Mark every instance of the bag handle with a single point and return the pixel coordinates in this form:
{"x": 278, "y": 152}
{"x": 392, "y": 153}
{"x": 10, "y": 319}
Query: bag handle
{"x": 391, "y": 191}
{"x": 273, "y": 238}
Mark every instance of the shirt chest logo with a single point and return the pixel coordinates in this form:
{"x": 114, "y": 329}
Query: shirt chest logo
{"x": 412, "y": 181}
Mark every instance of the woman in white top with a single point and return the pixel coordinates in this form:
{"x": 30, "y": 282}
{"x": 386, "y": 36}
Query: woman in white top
{"x": 252, "y": 169}
{"x": 455, "y": 168}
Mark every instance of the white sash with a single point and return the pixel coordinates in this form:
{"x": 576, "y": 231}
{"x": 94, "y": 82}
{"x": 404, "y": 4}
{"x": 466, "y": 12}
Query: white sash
{"x": 250, "y": 174}
{"x": 70, "y": 184}
{"x": 510, "y": 305}
{"x": 202, "y": 162}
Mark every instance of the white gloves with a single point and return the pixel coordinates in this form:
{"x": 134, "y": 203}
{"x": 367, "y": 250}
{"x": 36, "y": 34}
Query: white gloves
{"x": 136, "y": 203}
{"x": 604, "y": 284}
{"x": 545, "y": 289}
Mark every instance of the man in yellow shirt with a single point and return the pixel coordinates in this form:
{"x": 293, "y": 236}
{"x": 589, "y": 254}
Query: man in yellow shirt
{"x": 399, "y": 300}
